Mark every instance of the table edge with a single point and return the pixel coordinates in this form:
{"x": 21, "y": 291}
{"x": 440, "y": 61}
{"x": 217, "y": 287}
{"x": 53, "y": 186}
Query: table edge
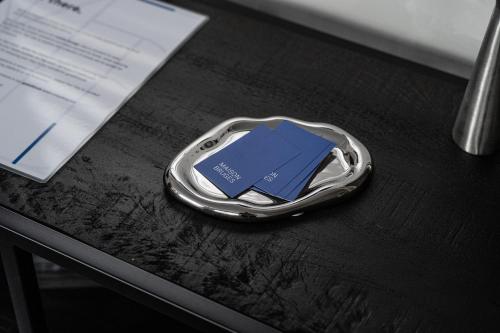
{"x": 135, "y": 283}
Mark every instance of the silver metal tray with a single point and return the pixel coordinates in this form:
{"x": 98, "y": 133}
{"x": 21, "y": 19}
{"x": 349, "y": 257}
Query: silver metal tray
{"x": 341, "y": 174}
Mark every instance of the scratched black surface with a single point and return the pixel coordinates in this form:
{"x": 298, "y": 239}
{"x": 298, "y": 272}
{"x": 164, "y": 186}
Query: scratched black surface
{"x": 419, "y": 249}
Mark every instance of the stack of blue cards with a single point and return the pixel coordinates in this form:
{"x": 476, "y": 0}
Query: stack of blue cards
{"x": 279, "y": 162}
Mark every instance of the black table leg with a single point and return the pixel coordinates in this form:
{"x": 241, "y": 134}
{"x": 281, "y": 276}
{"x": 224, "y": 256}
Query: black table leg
{"x": 24, "y": 291}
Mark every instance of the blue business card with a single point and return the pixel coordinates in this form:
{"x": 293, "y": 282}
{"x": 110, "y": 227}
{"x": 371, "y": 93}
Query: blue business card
{"x": 310, "y": 145}
{"x": 240, "y": 165}
{"x": 293, "y": 189}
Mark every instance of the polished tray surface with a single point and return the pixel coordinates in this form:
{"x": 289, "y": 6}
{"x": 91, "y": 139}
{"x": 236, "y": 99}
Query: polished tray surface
{"x": 341, "y": 174}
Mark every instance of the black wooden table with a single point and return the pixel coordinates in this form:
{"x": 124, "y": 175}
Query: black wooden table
{"x": 419, "y": 249}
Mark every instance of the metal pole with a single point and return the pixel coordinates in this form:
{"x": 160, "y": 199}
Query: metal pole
{"x": 24, "y": 292}
{"x": 477, "y": 127}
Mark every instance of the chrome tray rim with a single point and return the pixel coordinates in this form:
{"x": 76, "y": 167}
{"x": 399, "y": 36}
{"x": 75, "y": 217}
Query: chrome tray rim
{"x": 183, "y": 182}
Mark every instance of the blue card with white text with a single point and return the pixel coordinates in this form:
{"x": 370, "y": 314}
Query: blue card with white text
{"x": 310, "y": 145}
{"x": 237, "y": 167}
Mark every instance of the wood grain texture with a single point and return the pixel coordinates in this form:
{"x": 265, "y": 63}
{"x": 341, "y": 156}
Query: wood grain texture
{"x": 418, "y": 250}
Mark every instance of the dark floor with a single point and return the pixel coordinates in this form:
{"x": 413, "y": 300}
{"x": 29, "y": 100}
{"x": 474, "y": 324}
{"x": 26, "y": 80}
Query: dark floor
{"x": 90, "y": 310}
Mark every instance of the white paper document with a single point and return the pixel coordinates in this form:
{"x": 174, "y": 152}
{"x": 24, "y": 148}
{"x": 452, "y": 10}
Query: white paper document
{"x": 66, "y": 66}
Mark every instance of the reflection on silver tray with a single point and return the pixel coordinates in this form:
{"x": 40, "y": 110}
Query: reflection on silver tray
{"x": 341, "y": 173}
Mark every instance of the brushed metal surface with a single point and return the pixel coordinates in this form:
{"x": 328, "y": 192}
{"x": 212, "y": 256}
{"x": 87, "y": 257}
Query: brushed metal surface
{"x": 341, "y": 173}
{"x": 442, "y": 34}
